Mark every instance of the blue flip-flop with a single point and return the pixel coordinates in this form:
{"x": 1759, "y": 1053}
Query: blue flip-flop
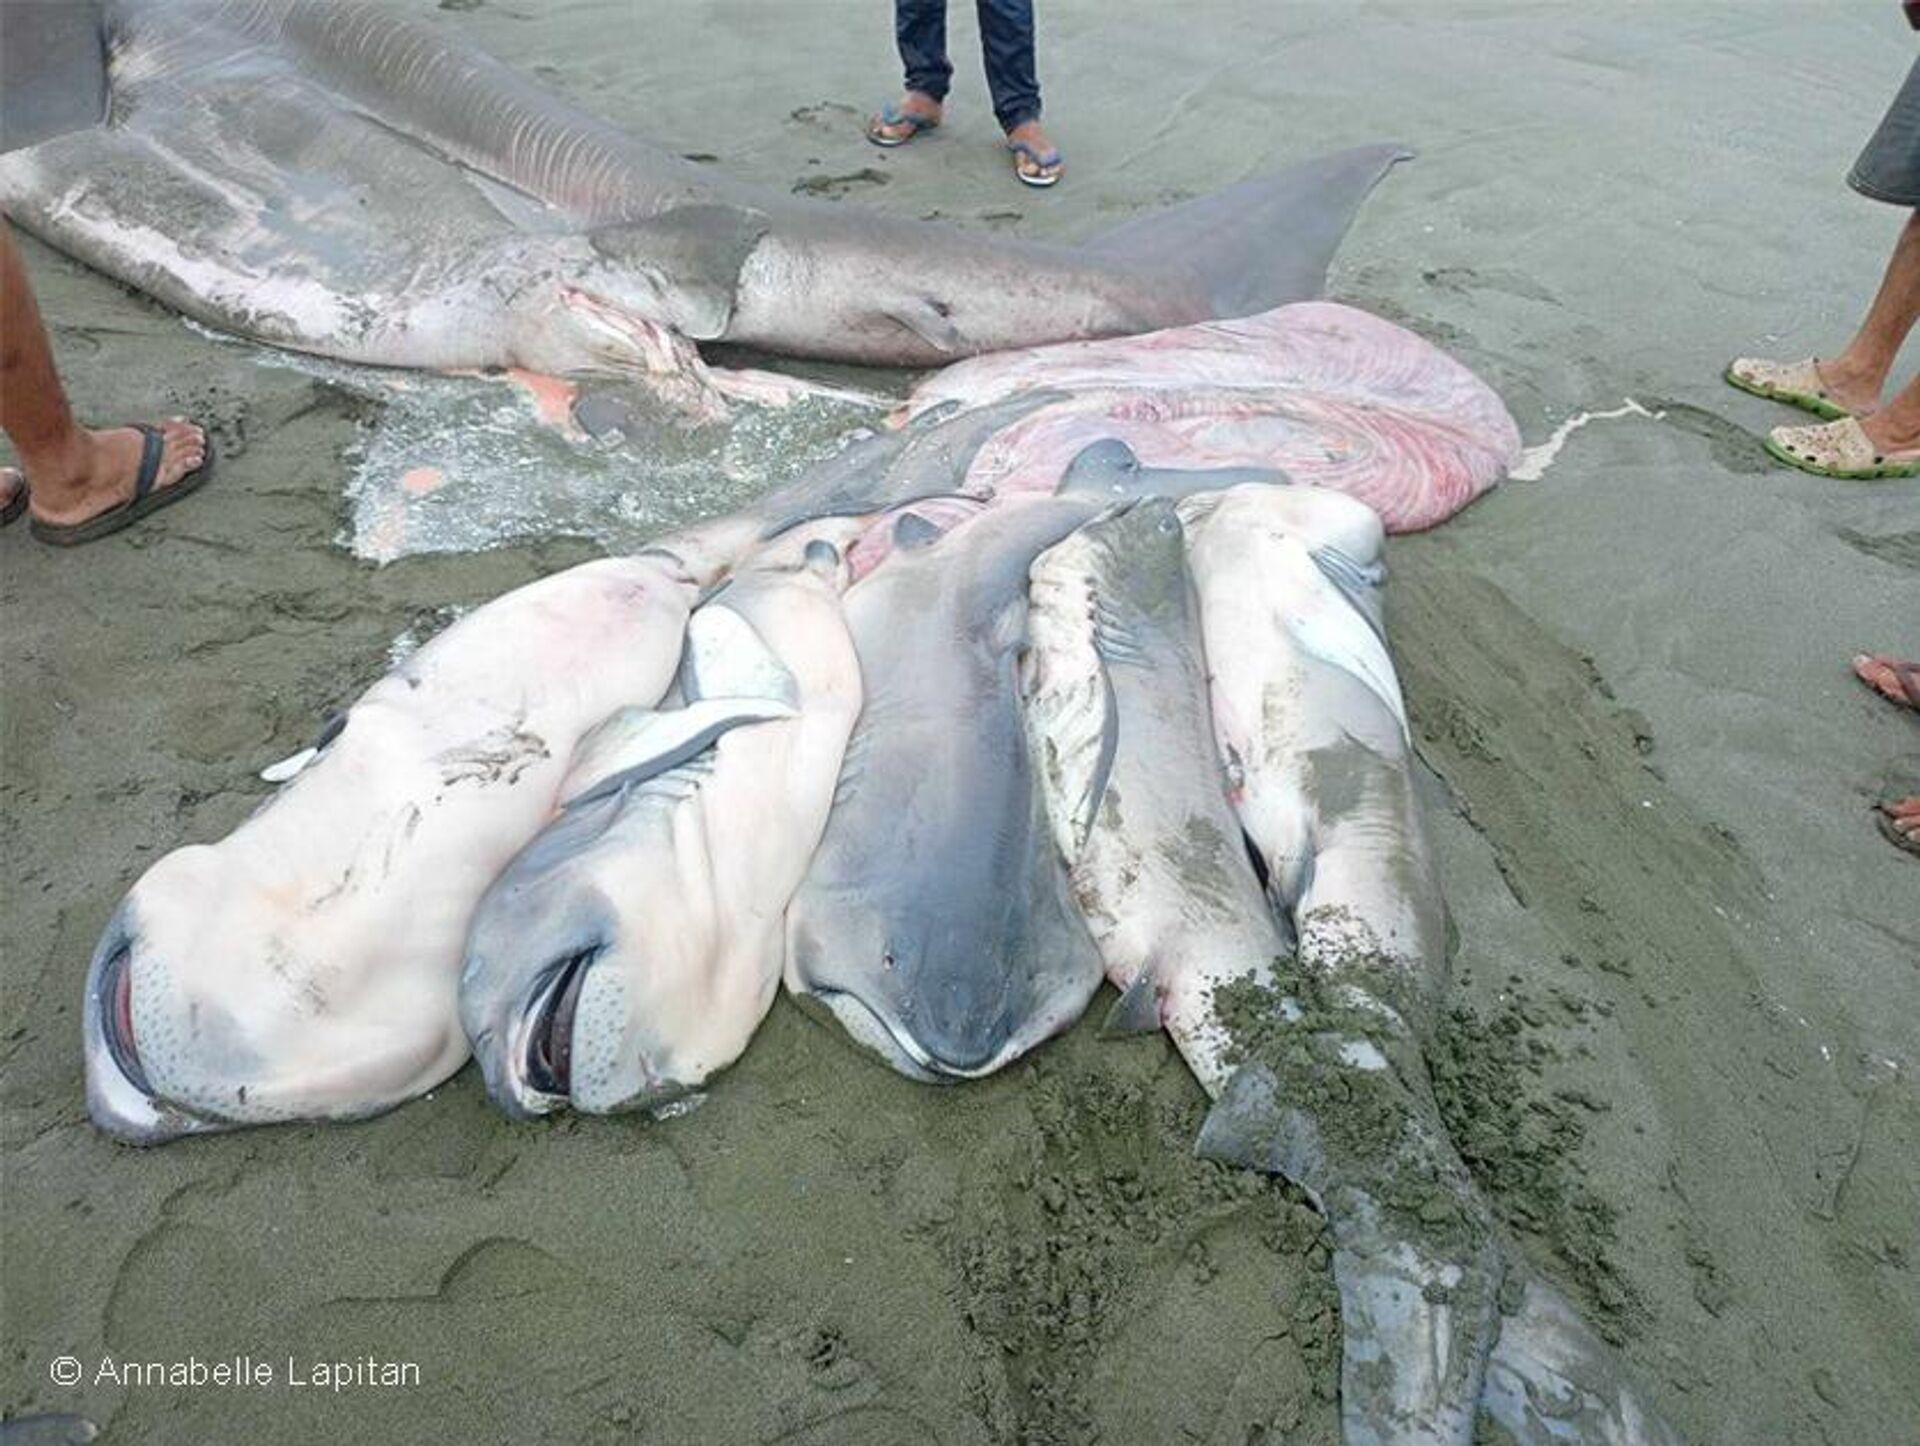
{"x": 146, "y": 499}
{"x": 17, "y": 503}
{"x": 891, "y": 115}
{"x": 1047, "y": 160}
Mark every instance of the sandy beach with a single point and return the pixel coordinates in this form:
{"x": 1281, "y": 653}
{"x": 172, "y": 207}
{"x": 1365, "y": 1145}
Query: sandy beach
{"x": 1685, "y": 1018}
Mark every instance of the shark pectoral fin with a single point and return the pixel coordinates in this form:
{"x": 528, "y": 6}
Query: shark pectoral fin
{"x": 1262, "y": 243}
{"x": 332, "y": 725}
{"x": 860, "y": 507}
{"x": 931, "y": 321}
{"x": 636, "y": 744}
{"x": 911, "y": 530}
{"x": 1108, "y": 467}
{"x": 1088, "y": 810}
{"x": 289, "y": 767}
{"x": 725, "y": 657}
{"x": 1553, "y": 1382}
{"x": 693, "y": 256}
{"x": 1344, "y": 638}
{"x": 1359, "y": 582}
{"x": 1136, "y": 1011}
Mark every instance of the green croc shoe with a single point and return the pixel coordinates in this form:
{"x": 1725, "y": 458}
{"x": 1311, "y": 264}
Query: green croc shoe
{"x": 1797, "y": 383}
{"x": 1839, "y": 449}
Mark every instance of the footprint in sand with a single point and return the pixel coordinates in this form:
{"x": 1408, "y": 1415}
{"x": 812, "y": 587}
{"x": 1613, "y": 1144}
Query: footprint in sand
{"x": 834, "y": 187}
{"x": 830, "y": 114}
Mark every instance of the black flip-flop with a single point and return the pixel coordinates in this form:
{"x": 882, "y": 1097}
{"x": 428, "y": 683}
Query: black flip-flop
{"x": 146, "y": 497}
{"x": 18, "y": 502}
{"x": 1909, "y": 679}
{"x": 1883, "y": 815}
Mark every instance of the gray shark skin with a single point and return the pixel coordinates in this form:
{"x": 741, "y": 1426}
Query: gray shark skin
{"x": 1117, "y": 706}
{"x": 1109, "y": 469}
{"x": 1440, "y": 1318}
{"x": 328, "y": 176}
{"x": 935, "y": 920}
{"x": 926, "y": 457}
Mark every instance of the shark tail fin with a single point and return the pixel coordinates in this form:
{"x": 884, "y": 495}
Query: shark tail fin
{"x": 1264, "y": 242}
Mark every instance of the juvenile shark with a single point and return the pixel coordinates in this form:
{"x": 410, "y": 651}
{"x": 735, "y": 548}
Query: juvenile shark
{"x": 331, "y": 177}
{"x": 1116, "y": 703}
{"x": 1440, "y": 1317}
{"x": 632, "y": 949}
{"x": 305, "y": 966}
{"x": 936, "y": 920}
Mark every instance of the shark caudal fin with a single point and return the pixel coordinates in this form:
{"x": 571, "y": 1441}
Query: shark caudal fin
{"x": 1414, "y": 1260}
{"x": 1553, "y": 1382}
{"x": 1264, "y": 242}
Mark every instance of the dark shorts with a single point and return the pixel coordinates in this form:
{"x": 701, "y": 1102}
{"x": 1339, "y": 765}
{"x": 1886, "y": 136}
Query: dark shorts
{"x": 1889, "y": 168}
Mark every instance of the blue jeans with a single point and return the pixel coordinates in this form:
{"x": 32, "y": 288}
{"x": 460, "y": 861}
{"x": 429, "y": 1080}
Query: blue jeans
{"x": 1006, "y": 42}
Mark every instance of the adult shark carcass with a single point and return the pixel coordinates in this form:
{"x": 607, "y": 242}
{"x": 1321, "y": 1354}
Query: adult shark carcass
{"x": 936, "y": 920}
{"x": 305, "y": 966}
{"x": 328, "y": 176}
{"x": 1305, "y": 1026}
{"x": 631, "y": 950}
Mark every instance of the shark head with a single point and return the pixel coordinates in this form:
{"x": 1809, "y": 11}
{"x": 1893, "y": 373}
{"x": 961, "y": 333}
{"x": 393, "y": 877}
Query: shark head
{"x": 204, "y": 1011}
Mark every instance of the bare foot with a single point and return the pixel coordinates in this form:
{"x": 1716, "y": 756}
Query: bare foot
{"x": 916, "y": 112}
{"x": 1891, "y": 440}
{"x": 1849, "y": 388}
{"x": 1039, "y": 162}
{"x": 104, "y": 466}
{"x": 12, "y": 484}
{"x": 1894, "y": 680}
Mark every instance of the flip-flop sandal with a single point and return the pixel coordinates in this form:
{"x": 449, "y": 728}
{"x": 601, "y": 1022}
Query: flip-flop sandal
{"x": 1907, "y": 675}
{"x": 1797, "y": 383}
{"x": 1839, "y": 449}
{"x": 1895, "y": 792}
{"x": 146, "y": 497}
{"x": 892, "y": 115}
{"x": 1048, "y": 161}
{"x": 18, "y": 502}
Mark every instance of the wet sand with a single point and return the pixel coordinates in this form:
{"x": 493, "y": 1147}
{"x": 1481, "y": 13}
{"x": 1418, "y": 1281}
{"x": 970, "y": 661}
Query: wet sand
{"x": 1687, "y": 1008}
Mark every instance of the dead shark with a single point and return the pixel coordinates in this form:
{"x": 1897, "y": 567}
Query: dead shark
{"x": 328, "y": 176}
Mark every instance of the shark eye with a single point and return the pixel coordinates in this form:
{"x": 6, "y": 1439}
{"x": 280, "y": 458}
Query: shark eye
{"x": 886, "y": 959}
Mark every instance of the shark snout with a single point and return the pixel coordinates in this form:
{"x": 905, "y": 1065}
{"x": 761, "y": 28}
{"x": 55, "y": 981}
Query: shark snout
{"x": 953, "y": 1021}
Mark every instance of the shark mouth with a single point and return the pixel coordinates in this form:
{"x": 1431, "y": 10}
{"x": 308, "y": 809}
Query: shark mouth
{"x": 650, "y": 347}
{"x": 898, "y": 1047}
{"x": 120, "y": 1095}
{"x": 545, "y": 1074}
{"x": 116, "y": 1019}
